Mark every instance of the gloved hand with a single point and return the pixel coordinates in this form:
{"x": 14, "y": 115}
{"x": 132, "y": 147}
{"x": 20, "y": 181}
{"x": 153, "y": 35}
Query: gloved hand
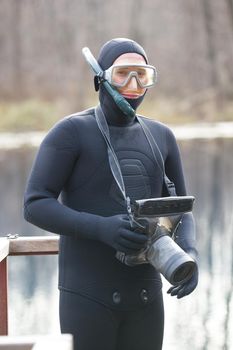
{"x": 117, "y": 232}
{"x": 185, "y": 288}
{"x": 186, "y": 239}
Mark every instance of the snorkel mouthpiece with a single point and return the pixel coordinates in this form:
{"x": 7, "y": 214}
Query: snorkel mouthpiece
{"x": 121, "y": 102}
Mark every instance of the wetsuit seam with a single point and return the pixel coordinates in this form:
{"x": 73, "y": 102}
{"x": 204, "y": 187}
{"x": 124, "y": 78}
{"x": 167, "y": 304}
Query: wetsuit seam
{"x": 106, "y": 307}
{"x": 137, "y": 152}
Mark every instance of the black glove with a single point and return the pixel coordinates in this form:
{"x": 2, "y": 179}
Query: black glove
{"x": 117, "y": 232}
{"x": 185, "y": 288}
{"x": 186, "y": 239}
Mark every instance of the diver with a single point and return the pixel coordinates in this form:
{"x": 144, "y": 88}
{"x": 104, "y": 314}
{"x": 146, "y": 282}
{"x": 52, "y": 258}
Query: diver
{"x": 72, "y": 191}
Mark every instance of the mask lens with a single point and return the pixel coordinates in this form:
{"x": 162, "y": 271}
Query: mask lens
{"x": 120, "y": 75}
{"x": 145, "y": 75}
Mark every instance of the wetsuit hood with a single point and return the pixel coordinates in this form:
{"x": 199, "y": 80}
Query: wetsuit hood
{"x": 109, "y": 52}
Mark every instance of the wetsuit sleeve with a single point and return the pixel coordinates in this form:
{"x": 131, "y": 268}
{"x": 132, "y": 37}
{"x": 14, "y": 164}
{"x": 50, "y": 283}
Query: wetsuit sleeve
{"x": 186, "y": 233}
{"x": 51, "y": 169}
{"x": 173, "y": 164}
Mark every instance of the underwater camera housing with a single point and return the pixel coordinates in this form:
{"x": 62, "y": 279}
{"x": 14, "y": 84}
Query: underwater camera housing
{"x": 159, "y": 219}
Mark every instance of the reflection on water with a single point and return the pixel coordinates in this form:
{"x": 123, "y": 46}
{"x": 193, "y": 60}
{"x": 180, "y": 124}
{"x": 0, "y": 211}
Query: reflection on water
{"x": 205, "y": 319}
{"x": 33, "y": 295}
{"x": 202, "y": 321}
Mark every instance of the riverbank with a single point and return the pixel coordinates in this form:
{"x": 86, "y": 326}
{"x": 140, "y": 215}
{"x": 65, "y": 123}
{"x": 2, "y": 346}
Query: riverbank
{"x": 40, "y": 115}
{"x": 12, "y": 140}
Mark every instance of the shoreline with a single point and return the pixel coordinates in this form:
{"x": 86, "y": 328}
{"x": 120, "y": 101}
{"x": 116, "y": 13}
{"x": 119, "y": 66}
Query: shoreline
{"x": 13, "y": 140}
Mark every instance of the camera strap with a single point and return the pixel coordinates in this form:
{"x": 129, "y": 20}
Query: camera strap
{"x": 170, "y": 187}
{"x": 114, "y": 163}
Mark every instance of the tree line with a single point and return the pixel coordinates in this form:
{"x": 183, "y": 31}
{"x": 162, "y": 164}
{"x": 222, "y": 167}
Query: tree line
{"x": 190, "y": 43}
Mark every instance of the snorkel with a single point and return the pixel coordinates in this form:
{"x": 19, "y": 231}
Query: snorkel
{"x": 121, "y": 102}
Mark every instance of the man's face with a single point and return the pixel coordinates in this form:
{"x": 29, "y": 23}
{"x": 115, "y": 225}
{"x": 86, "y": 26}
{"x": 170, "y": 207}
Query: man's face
{"x": 132, "y": 89}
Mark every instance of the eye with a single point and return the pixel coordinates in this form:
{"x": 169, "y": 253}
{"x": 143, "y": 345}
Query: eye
{"x": 121, "y": 72}
{"x": 141, "y": 73}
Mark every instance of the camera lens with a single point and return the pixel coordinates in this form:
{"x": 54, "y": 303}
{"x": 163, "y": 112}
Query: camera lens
{"x": 184, "y": 272}
{"x": 171, "y": 261}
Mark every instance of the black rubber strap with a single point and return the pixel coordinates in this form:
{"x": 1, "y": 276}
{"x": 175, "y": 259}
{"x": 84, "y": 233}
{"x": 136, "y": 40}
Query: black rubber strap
{"x": 113, "y": 161}
{"x": 158, "y": 157}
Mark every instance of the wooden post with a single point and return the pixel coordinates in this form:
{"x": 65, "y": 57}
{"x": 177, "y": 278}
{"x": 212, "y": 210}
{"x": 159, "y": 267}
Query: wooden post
{"x": 3, "y": 298}
{"x": 19, "y": 246}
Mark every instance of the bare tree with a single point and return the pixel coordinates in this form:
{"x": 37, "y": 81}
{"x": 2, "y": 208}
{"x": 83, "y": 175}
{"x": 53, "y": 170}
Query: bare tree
{"x": 16, "y": 36}
{"x": 41, "y": 42}
{"x": 208, "y": 20}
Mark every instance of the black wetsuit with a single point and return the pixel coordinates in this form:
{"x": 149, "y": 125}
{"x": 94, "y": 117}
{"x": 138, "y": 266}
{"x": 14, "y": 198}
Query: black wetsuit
{"x": 104, "y": 303}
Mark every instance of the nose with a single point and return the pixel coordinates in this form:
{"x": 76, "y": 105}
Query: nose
{"x": 133, "y": 84}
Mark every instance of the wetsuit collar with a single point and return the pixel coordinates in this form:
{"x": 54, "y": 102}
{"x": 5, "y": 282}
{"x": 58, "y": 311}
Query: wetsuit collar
{"x": 113, "y": 115}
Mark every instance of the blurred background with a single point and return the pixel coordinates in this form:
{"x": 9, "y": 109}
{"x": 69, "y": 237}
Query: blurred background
{"x": 43, "y": 77}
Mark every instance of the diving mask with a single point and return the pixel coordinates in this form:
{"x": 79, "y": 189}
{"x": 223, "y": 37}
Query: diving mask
{"x": 120, "y": 75}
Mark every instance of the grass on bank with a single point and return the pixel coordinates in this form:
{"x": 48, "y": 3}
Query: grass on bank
{"x": 39, "y": 115}
{"x": 28, "y": 115}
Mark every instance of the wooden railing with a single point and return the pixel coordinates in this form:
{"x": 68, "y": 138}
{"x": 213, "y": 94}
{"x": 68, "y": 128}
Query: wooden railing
{"x": 13, "y": 245}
